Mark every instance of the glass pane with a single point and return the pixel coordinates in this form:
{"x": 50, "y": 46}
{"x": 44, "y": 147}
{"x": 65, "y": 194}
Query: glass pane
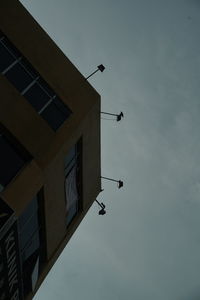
{"x": 70, "y": 166}
{"x": 19, "y": 77}
{"x": 6, "y": 59}
{"x": 11, "y": 48}
{"x": 27, "y": 214}
{"x": 62, "y": 107}
{"x": 71, "y": 213}
{"x": 31, "y": 247}
{"x": 37, "y": 97}
{"x": 46, "y": 87}
{"x": 35, "y": 274}
{"x": 53, "y": 116}
{"x": 70, "y": 159}
{"x": 71, "y": 154}
{"x": 30, "y": 70}
{"x": 28, "y": 230}
{"x": 10, "y": 162}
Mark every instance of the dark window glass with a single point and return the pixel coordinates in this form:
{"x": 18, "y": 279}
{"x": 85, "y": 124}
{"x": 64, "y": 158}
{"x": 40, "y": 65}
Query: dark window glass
{"x": 6, "y": 59}
{"x": 29, "y": 278}
{"x": 32, "y": 246}
{"x": 37, "y": 97}
{"x": 70, "y": 166}
{"x": 32, "y": 242}
{"x": 10, "y": 162}
{"x": 72, "y": 212}
{"x": 29, "y": 68}
{"x": 45, "y": 86}
{"x": 71, "y": 154}
{"x": 54, "y": 116}
{"x": 28, "y": 230}
{"x": 60, "y": 105}
{"x": 70, "y": 160}
{"x": 32, "y": 208}
{"x": 11, "y": 48}
{"x": 19, "y": 77}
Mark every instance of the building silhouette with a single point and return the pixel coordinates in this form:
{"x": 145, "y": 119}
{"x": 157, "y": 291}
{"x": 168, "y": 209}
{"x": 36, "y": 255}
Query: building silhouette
{"x": 49, "y": 151}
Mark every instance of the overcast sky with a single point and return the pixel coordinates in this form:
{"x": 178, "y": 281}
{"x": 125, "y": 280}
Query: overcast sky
{"x": 147, "y": 246}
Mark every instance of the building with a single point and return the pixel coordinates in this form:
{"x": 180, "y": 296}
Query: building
{"x": 49, "y": 151}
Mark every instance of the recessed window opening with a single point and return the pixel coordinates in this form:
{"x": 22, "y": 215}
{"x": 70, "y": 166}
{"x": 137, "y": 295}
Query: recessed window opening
{"x": 31, "y": 85}
{"x": 73, "y": 182}
{"x": 32, "y": 241}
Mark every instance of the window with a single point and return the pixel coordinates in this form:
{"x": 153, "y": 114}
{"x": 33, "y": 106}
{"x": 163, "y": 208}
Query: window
{"x": 32, "y": 242}
{"x": 18, "y": 76}
{"x": 37, "y": 96}
{"x": 9, "y": 46}
{"x": 73, "y": 182}
{"x": 6, "y": 58}
{"x": 29, "y": 83}
{"x": 29, "y": 230}
{"x": 11, "y": 161}
{"x": 55, "y": 113}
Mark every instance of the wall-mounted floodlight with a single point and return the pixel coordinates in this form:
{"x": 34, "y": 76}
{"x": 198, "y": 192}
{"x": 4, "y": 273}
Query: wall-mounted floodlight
{"x": 100, "y": 68}
{"x": 118, "y": 116}
{"x": 102, "y": 210}
{"x": 120, "y": 183}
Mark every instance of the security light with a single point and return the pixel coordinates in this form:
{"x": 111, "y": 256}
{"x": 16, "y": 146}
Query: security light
{"x": 120, "y": 182}
{"x": 121, "y": 115}
{"x": 99, "y": 68}
{"x": 118, "y": 116}
{"x": 102, "y": 212}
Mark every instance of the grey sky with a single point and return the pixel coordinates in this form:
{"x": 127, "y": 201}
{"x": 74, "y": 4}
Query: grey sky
{"x": 147, "y": 246}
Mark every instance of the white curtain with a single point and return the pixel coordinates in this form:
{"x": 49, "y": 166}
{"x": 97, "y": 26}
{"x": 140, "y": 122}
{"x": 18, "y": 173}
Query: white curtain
{"x": 71, "y": 195}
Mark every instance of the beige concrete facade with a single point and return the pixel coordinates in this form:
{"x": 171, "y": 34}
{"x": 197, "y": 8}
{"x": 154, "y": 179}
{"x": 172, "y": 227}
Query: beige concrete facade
{"x": 48, "y": 148}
